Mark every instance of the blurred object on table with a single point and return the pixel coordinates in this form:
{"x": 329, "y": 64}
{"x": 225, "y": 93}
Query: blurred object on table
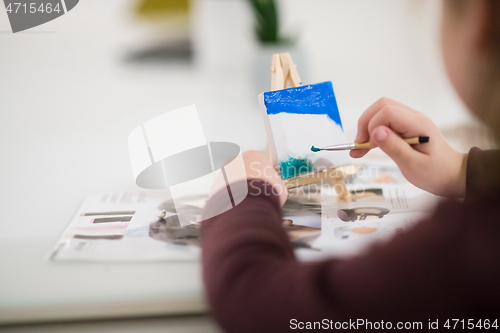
{"x": 267, "y": 22}
{"x": 167, "y": 34}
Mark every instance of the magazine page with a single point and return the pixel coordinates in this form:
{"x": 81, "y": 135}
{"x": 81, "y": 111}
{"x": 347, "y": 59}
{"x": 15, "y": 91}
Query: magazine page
{"x": 120, "y": 226}
{"x": 143, "y": 225}
{"x": 382, "y": 204}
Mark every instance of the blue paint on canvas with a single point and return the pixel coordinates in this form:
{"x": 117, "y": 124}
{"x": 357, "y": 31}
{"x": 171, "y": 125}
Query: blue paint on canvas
{"x": 316, "y": 98}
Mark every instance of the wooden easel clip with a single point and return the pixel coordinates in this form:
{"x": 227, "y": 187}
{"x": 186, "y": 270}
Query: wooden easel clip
{"x": 283, "y": 72}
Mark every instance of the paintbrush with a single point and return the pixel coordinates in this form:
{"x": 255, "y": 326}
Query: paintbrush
{"x": 366, "y": 145}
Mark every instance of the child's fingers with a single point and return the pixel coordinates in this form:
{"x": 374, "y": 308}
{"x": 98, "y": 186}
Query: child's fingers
{"x": 406, "y": 124}
{"x": 358, "y": 153}
{"x": 363, "y": 134}
{"x": 395, "y": 147}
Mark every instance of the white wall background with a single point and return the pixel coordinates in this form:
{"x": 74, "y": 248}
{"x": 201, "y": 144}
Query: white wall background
{"x": 368, "y": 48}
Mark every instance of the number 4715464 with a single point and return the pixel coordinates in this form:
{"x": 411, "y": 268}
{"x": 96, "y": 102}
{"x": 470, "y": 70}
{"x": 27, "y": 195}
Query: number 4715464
{"x": 471, "y": 324}
{"x": 18, "y": 7}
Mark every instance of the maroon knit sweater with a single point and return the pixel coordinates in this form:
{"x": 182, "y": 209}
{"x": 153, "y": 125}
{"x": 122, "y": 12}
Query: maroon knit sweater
{"x": 447, "y": 267}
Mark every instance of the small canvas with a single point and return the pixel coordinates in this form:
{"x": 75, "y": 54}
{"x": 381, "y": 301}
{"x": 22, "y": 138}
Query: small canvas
{"x": 298, "y": 118}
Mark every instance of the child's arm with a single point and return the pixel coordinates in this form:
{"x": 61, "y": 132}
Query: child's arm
{"x": 435, "y": 166}
{"x": 255, "y": 284}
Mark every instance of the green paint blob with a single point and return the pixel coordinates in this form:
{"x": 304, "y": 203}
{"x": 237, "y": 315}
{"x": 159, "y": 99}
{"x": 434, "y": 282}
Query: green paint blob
{"x": 293, "y": 167}
{"x": 314, "y": 149}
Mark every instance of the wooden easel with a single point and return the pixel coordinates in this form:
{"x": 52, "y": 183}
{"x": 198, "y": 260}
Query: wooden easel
{"x": 284, "y": 72}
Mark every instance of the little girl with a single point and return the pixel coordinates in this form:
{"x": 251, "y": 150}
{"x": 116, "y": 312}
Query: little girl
{"x": 447, "y": 267}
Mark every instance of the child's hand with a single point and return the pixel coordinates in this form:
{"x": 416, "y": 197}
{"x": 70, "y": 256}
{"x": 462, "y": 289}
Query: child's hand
{"x": 432, "y": 166}
{"x": 251, "y": 165}
{"x": 258, "y": 166}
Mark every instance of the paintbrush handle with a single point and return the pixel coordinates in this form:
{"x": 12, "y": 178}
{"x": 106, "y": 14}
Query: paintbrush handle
{"x": 367, "y": 145}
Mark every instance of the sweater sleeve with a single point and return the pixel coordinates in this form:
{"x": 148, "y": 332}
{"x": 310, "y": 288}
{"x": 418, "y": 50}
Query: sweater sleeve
{"x": 482, "y": 172}
{"x": 254, "y": 283}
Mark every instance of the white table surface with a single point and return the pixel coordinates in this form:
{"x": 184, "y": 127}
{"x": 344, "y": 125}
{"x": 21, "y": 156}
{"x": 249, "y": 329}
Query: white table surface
{"x": 179, "y": 324}
{"x": 68, "y": 101}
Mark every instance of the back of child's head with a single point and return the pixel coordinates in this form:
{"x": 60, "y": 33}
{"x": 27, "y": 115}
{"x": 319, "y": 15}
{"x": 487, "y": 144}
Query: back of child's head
{"x": 486, "y": 101}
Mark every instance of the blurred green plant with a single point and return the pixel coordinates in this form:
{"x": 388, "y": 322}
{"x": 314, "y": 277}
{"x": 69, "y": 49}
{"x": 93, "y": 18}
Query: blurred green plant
{"x": 267, "y": 25}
